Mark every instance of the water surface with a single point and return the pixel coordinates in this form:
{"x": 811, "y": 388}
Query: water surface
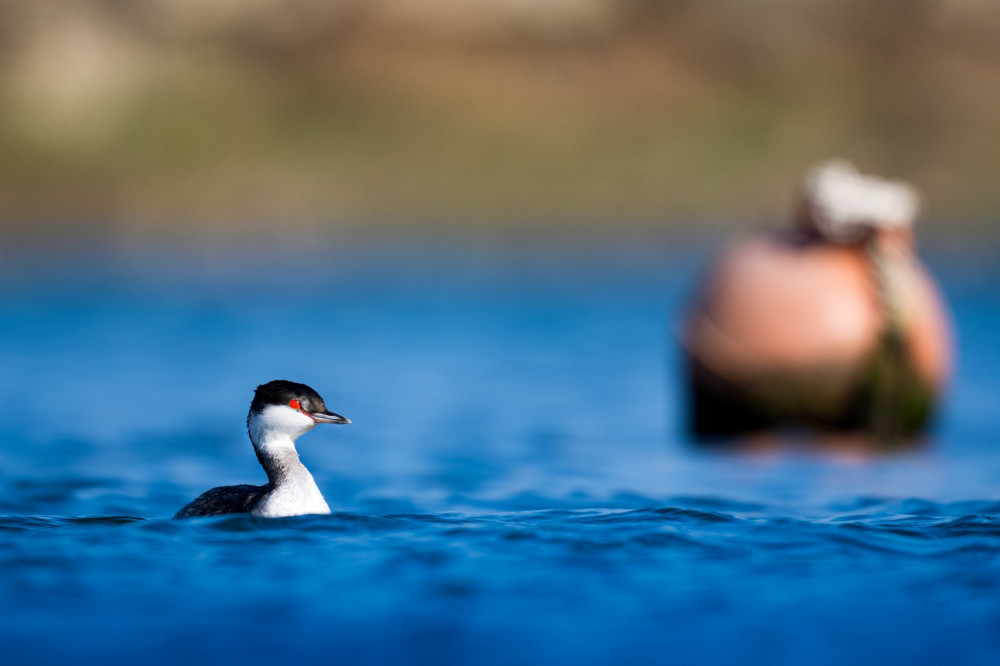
{"x": 516, "y": 486}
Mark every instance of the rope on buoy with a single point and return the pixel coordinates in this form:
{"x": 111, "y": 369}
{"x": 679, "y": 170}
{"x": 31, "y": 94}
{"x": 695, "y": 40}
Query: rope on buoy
{"x": 889, "y": 364}
{"x": 846, "y": 207}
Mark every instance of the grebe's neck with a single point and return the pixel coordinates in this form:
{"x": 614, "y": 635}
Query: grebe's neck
{"x": 280, "y": 460}
{"x": 273, "y": 433}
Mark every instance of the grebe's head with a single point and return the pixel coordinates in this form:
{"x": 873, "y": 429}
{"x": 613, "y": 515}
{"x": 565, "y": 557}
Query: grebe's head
{"x": 287, "y": 409}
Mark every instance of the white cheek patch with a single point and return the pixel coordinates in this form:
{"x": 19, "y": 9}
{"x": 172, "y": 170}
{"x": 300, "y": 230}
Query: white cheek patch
{"x": 280, "y": 421}
{"x": 283, "y": 416}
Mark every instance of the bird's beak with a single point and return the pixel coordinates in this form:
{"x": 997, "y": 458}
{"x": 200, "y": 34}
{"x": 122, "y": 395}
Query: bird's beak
{"x": 329, "y": 417}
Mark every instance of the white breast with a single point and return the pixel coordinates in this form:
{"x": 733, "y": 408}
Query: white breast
{"x": 297, "y": 496}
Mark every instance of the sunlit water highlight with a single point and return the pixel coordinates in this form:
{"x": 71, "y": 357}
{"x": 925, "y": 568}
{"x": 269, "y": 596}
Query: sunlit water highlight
{"x": 515, "y": 488}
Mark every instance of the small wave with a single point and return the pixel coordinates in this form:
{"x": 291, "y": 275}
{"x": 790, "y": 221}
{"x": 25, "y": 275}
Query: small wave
{"x": 658, "y": 515}
{"x": 62, "y": 522}
{"x": 333, "y": 523}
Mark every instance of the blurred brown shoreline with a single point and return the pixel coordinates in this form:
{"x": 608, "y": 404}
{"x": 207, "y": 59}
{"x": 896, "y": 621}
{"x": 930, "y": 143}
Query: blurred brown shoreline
{"x": 126, "y": 118}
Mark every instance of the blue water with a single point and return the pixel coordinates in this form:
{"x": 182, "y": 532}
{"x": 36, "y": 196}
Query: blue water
{"x": 516, "y": 486}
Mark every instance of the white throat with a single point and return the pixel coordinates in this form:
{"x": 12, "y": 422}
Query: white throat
{"x": 293, "y": 491}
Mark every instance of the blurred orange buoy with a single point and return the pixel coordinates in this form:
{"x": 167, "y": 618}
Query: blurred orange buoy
{"x": 833, "y": 324}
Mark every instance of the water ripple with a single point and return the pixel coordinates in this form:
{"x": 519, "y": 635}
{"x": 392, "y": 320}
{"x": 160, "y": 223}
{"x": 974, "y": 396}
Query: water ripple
{"x": 17, "y": 523}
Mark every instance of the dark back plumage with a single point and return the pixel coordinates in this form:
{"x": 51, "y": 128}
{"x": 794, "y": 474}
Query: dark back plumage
{"x": 226, "y": 499}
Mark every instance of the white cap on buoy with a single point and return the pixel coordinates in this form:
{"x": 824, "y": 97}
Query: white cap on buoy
{"x": 843, "y": 204}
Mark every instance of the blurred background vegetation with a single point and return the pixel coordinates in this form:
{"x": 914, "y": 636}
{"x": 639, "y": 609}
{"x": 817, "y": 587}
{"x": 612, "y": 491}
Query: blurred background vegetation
{"x": 181, "y": 118}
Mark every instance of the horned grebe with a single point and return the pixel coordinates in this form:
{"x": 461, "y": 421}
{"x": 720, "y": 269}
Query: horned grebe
{"x": 281, "y": 411}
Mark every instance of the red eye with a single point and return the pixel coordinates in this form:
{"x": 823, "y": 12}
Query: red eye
{"x": 295, "y": 404}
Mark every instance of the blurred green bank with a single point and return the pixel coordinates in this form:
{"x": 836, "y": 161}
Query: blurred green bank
{"x": 173, "y": 117}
